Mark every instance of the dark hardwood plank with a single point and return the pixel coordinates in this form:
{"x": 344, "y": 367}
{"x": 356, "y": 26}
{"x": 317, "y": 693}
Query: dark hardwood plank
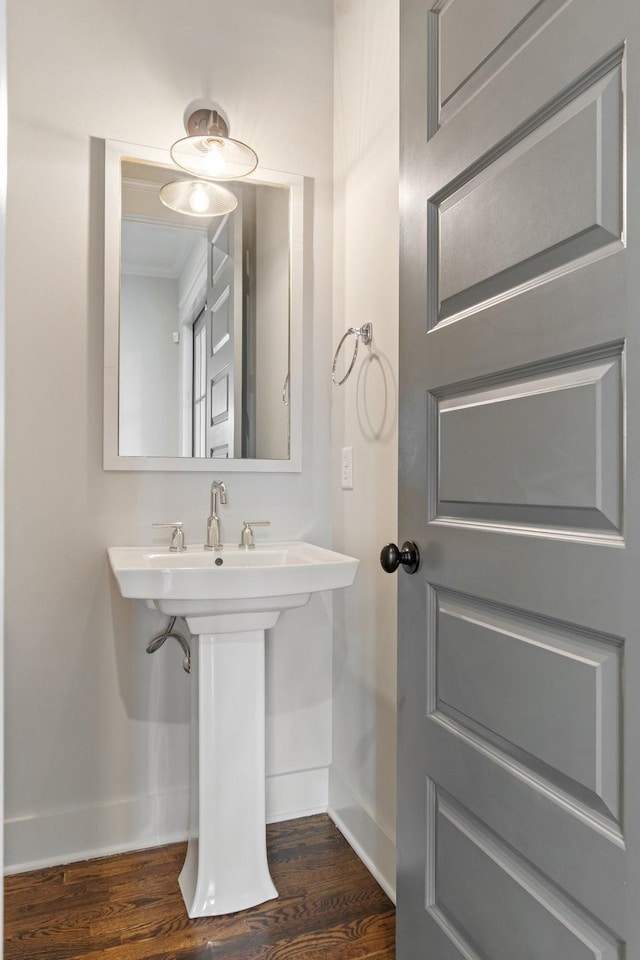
{"x": 129, "y": 907}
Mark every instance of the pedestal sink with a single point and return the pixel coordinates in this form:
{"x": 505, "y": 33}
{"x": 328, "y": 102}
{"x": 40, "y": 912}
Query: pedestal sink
{"x": 228, "y": 598}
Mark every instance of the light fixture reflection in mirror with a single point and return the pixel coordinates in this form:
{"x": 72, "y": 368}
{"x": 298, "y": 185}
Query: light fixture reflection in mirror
{"x": 198, "y": 198}
{"x": 203, "y": 322}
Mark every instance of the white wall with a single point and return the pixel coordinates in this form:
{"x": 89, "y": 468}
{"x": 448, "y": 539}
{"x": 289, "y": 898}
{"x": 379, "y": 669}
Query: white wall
{"x": 272, "y": 329}
{"x": 3, "y": 207}
{"x": 96, "y": 748}
{"x": 149, "y": 407}
{"x": 362, "y": 777}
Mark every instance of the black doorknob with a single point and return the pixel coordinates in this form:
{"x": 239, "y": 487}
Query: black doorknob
{"x": 392, "y": 556}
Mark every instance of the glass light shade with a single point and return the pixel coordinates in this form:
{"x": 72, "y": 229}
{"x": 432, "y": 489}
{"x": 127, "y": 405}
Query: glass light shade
{"x": 198, "y": 198}
{"x": 214, "y": 157}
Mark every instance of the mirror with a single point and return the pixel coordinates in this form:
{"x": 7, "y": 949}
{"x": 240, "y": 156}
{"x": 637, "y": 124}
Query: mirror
{"x": 203, "y": 322}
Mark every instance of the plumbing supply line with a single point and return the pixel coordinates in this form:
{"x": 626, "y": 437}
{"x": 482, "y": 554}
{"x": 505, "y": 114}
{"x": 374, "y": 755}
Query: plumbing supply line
{"x": 168, "y": 634}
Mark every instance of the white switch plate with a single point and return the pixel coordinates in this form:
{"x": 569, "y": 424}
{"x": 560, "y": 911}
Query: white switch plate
{"x": 346, "y": 468}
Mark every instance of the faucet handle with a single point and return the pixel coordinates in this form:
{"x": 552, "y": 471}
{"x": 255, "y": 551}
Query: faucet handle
{"x": 177, "y": 535}
{"x": 246, "y": 537}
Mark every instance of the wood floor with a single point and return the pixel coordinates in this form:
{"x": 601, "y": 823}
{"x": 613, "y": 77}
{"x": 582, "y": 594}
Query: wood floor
{"x": 129, "y": 907}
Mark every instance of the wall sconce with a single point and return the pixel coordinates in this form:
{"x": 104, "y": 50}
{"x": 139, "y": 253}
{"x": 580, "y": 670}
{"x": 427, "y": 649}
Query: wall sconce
{"x": 210, "y": 153}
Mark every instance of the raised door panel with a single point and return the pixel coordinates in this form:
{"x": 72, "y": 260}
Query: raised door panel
{"x": 221, "y": 317}
{"x": 541, "y": 202}
{"x": 542, "y": 693}
{"x": 494, "y": 906}
{"x": 544, "y": 447}
{"x": 469, "y": 33}
{"x": 471, "y": 42}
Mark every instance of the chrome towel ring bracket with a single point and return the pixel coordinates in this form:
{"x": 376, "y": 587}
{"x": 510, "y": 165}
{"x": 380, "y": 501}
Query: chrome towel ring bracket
{"x": 364, "y": 333}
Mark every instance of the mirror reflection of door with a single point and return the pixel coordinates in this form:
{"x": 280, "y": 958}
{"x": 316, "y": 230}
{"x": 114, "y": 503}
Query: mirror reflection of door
{"x": 200, "y": 385}
{"x": 224, "y": 339}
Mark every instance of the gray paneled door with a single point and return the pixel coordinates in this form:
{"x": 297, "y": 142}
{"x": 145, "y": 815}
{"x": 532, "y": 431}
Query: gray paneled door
{"x": 519, "y": 645}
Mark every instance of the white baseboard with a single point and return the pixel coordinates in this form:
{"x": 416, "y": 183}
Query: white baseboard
{"x": 100, "y": 830}
{"x": 301, "y": 794}
{"x": 97, "y": 830}
{"x": 374, "y": 846}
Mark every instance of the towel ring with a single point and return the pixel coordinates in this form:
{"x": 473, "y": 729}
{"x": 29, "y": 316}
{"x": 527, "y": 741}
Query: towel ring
{"x": 364, "y": 333}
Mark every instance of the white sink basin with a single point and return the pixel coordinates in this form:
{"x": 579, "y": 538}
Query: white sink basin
{"x": 200, "y": 583}
{"x": 229, "y": 598}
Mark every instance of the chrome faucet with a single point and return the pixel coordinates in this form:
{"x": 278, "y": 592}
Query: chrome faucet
{"x": 247, "y": 540}
{"x": 177, "y": 535}
{"x": 213, "y": 522}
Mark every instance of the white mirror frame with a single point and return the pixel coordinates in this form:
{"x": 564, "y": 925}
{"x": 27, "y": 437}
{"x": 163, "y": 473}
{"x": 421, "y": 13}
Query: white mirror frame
{"x": 115, "y": 152}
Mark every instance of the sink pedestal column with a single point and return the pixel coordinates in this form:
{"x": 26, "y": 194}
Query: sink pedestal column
{"x": 226, "y": 865}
